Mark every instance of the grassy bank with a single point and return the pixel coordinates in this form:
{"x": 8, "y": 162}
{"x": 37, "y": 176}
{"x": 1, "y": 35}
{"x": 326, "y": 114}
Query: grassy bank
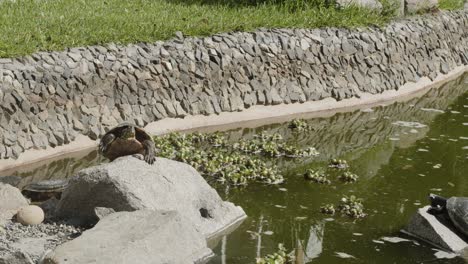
{"x": 27, "y": 26}
{"x": 32, "y": 25}
{"x": 451, "y": 4}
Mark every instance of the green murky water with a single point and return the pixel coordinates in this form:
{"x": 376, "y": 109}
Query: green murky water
{"x": 401, "y": 152}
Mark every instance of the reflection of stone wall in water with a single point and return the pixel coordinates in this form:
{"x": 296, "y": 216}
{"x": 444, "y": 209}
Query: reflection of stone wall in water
{"x": 356, "y": 132}
{"x": 50, "y": 98}
{"x": 58, "y": 169}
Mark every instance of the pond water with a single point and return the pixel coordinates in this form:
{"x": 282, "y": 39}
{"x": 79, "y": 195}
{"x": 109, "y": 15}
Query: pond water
{"x": 401, "y": 152}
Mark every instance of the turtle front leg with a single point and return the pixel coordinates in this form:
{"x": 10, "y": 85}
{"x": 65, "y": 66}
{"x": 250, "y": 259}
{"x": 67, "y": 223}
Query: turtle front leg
{"x": 150, "y": 150}
{"x": 105, "y": 142}
{"x": 438, "y": 204}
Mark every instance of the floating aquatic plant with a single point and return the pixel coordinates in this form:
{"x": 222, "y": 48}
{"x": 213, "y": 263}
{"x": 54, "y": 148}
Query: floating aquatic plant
{"x": 328, "y": 209}
{"x": 352, "y": 207}
{"x": 348, "y": 176}
{"x": 338, "y": 164}
{"x": 317, "y": 176}
{"x": 271, "y": 145}
{"x": 279, "y": 257}
{"x": 213, "y": 156}
{"x": 299, "y": 125}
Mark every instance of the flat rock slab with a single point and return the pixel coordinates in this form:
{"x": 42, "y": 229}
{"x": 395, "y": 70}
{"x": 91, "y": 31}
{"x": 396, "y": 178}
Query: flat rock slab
{"x": 129, "y": 184}
{"x": 143, "y": 236}
{"x": 435, "y": 230}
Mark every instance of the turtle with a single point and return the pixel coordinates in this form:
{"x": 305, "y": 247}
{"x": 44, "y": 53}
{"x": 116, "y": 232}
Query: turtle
{"x": 44, "y": 190}
{"x": 455, "y": 208}
{"x": 127, "y": 139}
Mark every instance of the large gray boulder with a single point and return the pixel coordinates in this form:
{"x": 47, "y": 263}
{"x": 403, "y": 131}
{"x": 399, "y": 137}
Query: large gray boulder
{"x": 415, "y": 6}
{"x": 129, "y": 184}
{"x": 143, "y": 236}
{"x": 11, "y": 200}
{"x": 435, "y": 230}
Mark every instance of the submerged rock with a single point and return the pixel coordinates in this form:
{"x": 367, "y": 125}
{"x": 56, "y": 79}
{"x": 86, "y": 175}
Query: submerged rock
{"x": 129, "y": 184}
{"x": 143, "y": 236}
{"x": 437, "y": 230}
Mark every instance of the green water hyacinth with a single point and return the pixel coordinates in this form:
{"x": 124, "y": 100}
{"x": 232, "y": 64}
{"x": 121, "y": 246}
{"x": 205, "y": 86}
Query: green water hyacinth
{"x": 317, "y": 176}
{"x": 299, "y": 125}
{"x": 348, "y": 176}
{"x": 272, "y": 146}
{"x": 279, "y": 257}
{"x": 214, "y": 157}
{"x": 352, "y": 207}
{"x": 328, "y": 209}
{"x": 338, "y": 164}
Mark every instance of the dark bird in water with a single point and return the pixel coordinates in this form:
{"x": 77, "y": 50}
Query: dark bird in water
{"x": 127, "y": 139}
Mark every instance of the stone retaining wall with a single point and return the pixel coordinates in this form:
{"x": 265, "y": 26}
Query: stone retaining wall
{"x": 47, "y": 99}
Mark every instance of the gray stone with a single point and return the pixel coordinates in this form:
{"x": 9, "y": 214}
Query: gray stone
{"x": 16, "y": 257}
{"x": 435, "y": 230}
{"x": 129, "y": 184}
{"x": 143, "y": 236}
{"x": 102, "y": 212}
{"x": 372, "y": 4}
{"x": 11, "y": 200}
{"x": 414, "y": 6}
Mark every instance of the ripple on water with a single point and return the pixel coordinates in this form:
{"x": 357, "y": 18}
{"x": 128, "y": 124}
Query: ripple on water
{"x": 409, "y": 124}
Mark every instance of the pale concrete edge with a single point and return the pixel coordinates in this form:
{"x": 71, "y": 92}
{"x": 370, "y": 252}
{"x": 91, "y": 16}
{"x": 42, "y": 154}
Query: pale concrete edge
{"x": 252, "y": 114}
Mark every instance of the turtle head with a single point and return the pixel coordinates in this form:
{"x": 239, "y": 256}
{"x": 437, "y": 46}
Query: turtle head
{"x": 128, "y": 132}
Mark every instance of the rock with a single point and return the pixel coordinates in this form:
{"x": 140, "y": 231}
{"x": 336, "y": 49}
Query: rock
{"x": 11, "y": 180}
{"x": 143, "y": 236}
{"x": 49, "y": 207}
{"x": 102, "y": 212}
{"x": 30, "y": 215}
{"x": 17, "y": 257}
{"x": 129, "y": 184}
{"x": 435, "y": 230}
{"x": 414, "y": 6}
{"x": 11, "y": 201}
{"x": 372, "y": 4}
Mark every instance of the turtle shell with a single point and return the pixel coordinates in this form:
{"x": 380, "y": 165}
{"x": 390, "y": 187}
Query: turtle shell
{"x": 457, "y": 208}
{"x": 44, "y": 190}
{"x": 113, "y": 148}
{"x": 57, "y": 185}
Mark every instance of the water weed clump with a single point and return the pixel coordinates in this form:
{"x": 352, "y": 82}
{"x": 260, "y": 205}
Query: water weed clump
{"x": 271, "y": 145}
{"x": 317, "y": 176}
{"x": 352, "y": 207}
{"x": 234, "y": 163}
{"x": 338, "y": 164}
{"x": 212, "y": 156}
{"x": 348, "y": 176}
{"x": 299, "y": 125}
{"x": 279, "y": 257}
{"x": 328, "y": 209}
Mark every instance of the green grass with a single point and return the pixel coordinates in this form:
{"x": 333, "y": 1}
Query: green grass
{"x": 27, "y": 26}
{"x": 451, "y": 4}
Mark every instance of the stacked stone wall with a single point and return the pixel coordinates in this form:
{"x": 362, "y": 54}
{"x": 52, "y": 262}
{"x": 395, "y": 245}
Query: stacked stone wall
{"x": 49, "y": 98}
